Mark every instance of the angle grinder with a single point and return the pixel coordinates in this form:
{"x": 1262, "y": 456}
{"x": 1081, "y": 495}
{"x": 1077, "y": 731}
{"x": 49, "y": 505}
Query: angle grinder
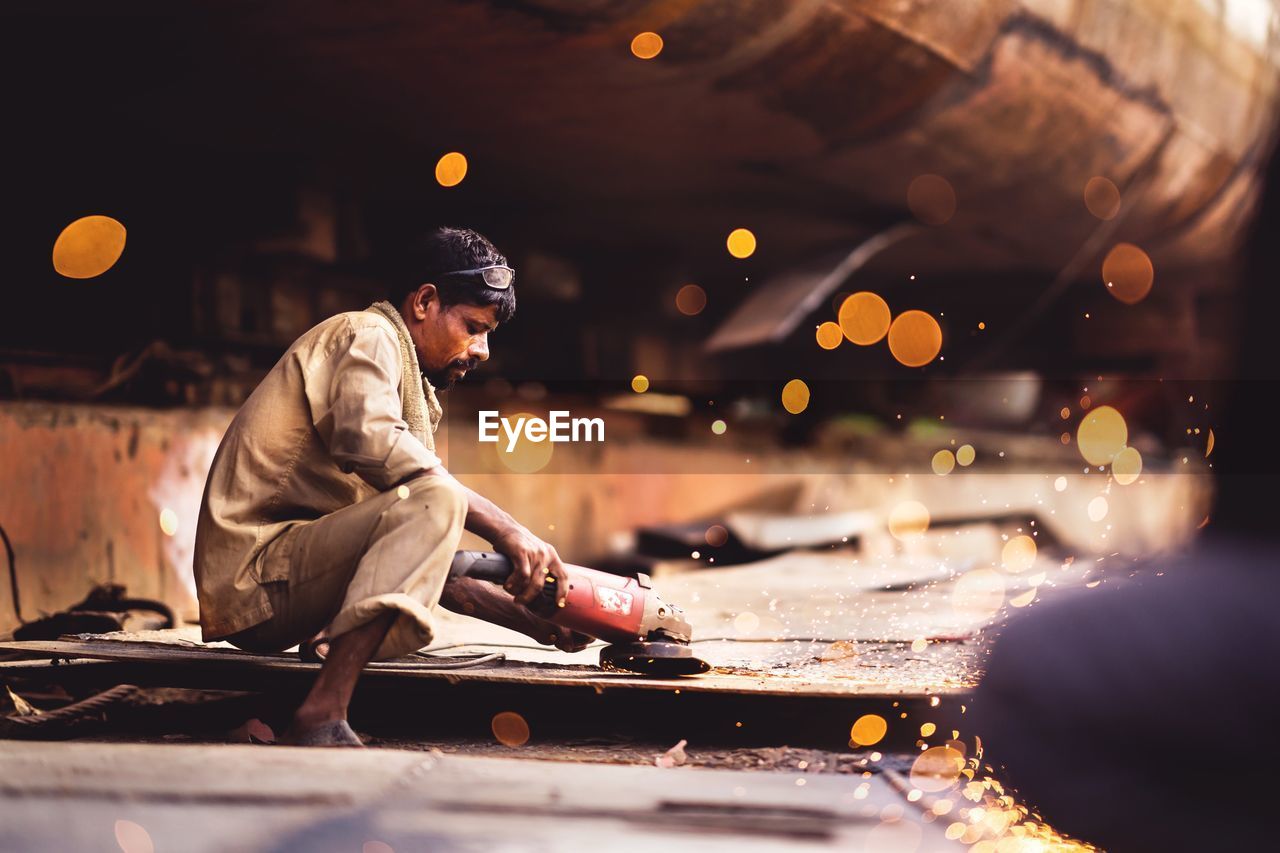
{"x": 646, "y": 635}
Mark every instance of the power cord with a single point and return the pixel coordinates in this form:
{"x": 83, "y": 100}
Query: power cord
{"x": 599, "y": 643}
{"x": 428, "y": 660}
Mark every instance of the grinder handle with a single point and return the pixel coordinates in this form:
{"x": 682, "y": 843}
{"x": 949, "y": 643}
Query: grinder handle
{"x": 481, "y": 565}
{"x": 496, "y": 568}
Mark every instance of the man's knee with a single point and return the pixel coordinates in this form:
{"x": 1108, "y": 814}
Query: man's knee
{"x": 436, "y": 495}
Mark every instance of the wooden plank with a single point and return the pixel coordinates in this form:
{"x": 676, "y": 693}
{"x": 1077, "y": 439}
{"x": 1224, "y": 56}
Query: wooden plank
{"x": 224, "y": 797}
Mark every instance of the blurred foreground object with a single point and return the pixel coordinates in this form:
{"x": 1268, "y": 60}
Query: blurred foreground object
{"x": 1136, "y": 718}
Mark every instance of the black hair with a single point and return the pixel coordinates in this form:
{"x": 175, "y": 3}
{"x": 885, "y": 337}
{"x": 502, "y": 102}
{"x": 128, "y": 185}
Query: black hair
{"x": 444, "y": 250}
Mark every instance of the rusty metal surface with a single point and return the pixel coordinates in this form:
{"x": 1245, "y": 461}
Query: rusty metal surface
{"x": 808, "y": 119}
{"x": 95, "y": 481}
{"x": 877, "y": 681}
{"x": 825, "y": 109}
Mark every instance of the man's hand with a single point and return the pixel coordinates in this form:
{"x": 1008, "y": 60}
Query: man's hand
{"x": 535, "y": 561}
{"x": 571, "y": 641}
{"x": 550, "y": 634}
{"x": 485, "y": 601}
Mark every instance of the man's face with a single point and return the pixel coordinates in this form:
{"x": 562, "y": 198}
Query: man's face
{"x": 450, "y": 341}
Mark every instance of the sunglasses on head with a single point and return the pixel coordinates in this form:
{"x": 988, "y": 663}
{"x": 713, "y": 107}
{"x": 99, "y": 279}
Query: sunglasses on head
{"x": 497, "y": 276}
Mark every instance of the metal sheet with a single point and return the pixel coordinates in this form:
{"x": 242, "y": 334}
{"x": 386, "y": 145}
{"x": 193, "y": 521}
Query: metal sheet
{"x": 774, "y": 310}
{"x": 860, "y": 680}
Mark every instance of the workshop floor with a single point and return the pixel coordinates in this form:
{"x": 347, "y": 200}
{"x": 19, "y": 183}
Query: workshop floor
{"x": 900, "y": 636}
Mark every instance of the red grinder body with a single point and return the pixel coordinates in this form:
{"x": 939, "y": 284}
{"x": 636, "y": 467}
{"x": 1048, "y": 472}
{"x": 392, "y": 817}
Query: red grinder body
{"x": 648, "y": 635}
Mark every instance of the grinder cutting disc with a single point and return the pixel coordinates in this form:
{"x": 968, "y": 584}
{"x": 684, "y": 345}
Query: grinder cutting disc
{"x": 652, "y": 658}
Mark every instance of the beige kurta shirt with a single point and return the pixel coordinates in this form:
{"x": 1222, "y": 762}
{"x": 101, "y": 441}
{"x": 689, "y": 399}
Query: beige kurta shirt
{"x": 321, "y": 432}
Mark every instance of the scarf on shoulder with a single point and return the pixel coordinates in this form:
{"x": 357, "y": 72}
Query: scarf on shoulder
{"x": 418, "y": 404}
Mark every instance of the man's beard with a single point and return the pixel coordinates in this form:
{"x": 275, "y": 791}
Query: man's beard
{"x": 443, "y": 379}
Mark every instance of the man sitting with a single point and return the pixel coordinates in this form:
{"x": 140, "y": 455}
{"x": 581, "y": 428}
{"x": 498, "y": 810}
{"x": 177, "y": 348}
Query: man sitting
{"x": 328, "y": 521}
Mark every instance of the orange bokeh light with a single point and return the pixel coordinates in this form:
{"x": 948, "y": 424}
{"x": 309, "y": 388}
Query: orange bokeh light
{"x": 646, "y": 45}
{"x": 1102, "y": 198}
{"x": 829, "y": 335}
{"x": 915, "y": 338}
{"x": 932, "y": 199}
{"x": 1128, "y": 273}
{"x": 864, "y": 318}
{"x": 88, "y": 247}
{"x": 510, "y": 728}
{"x": 451, "y": 169}
{"x": 691, "y": 299}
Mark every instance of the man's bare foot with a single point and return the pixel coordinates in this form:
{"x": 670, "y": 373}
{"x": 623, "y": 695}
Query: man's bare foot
{"x": 332, "y": 733}
{"x": 321, "y": 719}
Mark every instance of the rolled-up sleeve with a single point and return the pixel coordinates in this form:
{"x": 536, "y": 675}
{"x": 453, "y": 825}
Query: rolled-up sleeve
{"x": 355, "y": 404}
